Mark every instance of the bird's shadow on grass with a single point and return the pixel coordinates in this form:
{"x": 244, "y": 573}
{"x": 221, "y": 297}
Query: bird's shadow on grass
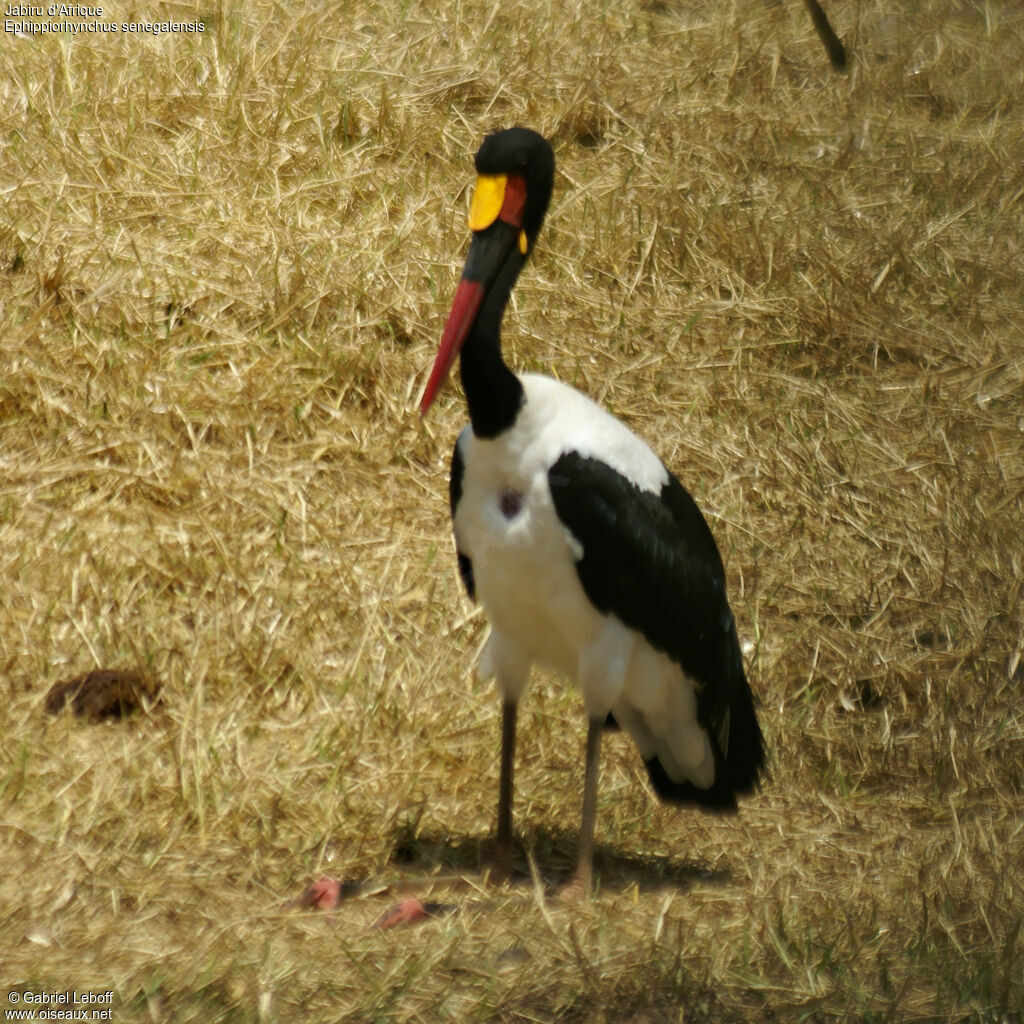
{"x": 551, "y": 853}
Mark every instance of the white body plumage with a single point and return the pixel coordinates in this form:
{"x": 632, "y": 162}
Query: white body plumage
{"x": 524, "y": 568}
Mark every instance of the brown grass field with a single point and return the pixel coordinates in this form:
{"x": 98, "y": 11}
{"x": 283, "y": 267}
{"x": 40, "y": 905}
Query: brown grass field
{"x": 225, "y": 262}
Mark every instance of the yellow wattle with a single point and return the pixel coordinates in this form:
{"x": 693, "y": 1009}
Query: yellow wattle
{"x": 487, "y": 201}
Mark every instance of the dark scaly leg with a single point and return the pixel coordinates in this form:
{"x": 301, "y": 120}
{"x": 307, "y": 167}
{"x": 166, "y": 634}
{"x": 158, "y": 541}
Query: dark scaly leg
{"x": 580, "y": 885}
{"x": 503, "y": 853}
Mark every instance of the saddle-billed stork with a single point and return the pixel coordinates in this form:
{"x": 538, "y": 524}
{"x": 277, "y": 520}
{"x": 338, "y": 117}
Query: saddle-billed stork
{"x": 587, "y": 554}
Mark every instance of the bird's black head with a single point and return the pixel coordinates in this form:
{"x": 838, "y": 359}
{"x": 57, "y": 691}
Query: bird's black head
{"x": 521, "y": 151}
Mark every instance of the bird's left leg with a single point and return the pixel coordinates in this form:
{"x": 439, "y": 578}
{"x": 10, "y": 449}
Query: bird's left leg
{"x": 580, "y": 885}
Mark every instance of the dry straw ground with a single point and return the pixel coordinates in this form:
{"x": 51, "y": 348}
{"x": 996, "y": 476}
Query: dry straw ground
{"x": 224, "y": 266}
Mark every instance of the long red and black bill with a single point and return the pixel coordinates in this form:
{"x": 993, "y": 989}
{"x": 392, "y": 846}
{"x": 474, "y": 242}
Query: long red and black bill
{"x": 496, "y": 220}
{"x": 467, "y": 301}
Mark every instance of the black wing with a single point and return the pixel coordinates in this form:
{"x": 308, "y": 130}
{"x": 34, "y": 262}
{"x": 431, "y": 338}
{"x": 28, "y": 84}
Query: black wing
{"x": 454, "y": 497}
{"x": 650, "y": 560}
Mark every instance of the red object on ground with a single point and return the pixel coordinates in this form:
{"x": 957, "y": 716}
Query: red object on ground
{"x": 324, "y": 894}
{"x": 409, "y": 912}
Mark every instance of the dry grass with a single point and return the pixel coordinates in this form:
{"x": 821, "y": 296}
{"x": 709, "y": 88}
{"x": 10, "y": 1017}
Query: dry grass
{"x": 224, "y": 265}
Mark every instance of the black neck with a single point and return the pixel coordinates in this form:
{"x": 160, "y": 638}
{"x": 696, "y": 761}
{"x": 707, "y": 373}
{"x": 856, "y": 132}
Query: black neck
{"x": 494, "y": 393}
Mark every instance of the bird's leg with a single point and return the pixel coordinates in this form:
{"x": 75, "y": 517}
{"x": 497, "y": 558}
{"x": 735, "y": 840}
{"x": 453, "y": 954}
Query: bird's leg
{"x": 503, "y": 854}
{"x": 580, "y": 885}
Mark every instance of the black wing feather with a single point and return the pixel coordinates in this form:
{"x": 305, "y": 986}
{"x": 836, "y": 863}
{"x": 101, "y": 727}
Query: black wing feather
{"x": 454, "y": 497}
{"x": 651, "y": 560}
